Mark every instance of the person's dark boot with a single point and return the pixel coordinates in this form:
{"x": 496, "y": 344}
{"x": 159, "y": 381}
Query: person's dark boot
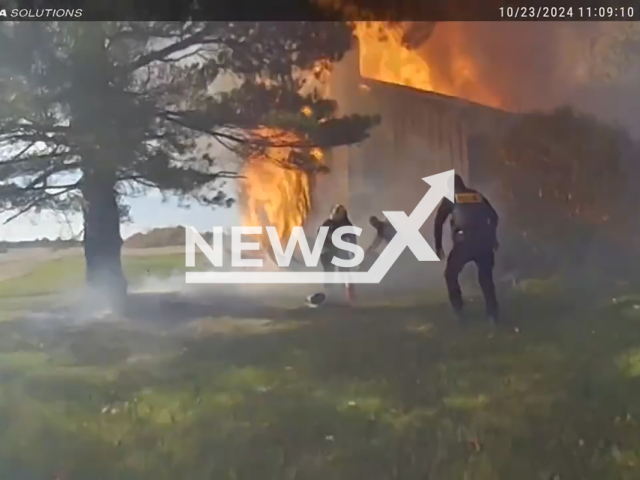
{"x": 493, "y": 321}
{"x": 461, "y": 319}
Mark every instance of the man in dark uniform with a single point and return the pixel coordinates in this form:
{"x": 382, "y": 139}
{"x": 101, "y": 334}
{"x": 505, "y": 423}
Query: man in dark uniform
{"x": 474, "y": 225}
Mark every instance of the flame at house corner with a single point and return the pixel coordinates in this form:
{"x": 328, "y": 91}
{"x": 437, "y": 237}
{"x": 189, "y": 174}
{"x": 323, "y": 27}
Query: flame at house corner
{"x": 272, "y": 191}
{"x": 442, "y": 64}
{"x": 270, "y": 194}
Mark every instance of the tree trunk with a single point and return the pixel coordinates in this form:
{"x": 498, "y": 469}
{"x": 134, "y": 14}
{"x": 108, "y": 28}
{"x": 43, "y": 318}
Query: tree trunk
{"x": 102, "y": 241}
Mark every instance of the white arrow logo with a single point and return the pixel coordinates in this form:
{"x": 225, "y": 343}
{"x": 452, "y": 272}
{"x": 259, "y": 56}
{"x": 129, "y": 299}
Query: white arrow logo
{"x": 408, "y": 235}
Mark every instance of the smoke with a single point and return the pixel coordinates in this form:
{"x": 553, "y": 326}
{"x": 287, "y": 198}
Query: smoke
{"x": 517, "y": 62}
{"x": 174, "y": 283}
{"x": 527, "y": 66}
{"x": 540, "y": 66}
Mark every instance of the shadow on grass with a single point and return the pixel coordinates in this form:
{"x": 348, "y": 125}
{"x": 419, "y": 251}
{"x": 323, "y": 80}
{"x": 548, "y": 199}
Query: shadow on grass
{"x": 365, "y": 393}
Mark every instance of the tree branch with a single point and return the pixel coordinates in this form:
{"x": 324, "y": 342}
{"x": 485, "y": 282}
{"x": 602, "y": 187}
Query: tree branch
{"x": 68, "y": 187}
{"x": 32, "y": 158}
{"x": 157, "y": 55}
{"x": 33, "y": 204}
{"x": 15, "y": 158}
{"x": 256, "y": 140}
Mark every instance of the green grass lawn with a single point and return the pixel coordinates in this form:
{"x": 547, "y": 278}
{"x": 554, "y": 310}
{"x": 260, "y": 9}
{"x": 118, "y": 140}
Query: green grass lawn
{"x": 67, "y": 273}
{"x": 391, "y": 392}
{"x": 42, "y": 284}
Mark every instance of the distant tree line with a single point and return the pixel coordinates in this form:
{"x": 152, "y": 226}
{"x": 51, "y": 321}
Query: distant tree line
{"x": 161, "y": 237}
{"x": 56, "y": 244}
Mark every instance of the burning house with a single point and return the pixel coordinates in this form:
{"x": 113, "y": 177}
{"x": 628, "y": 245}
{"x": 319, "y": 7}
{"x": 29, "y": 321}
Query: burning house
{"x": 425, "y": 129}
{"x": 421, "y": 133}
{"x": 451, "y": 117}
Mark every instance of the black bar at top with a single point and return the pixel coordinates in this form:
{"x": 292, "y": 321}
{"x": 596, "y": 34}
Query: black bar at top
{"x": 308, "y": 10}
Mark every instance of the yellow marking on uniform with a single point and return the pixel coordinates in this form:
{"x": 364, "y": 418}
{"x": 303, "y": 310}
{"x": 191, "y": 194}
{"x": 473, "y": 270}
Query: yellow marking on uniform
{"x": 468, "y": 198}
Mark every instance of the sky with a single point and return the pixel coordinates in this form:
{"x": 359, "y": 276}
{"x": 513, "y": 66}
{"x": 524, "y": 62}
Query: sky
{"x": 147, "y": 212}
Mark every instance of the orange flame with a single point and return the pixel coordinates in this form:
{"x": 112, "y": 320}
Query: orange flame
{"x": 274, "y": 193}
{"x": 384, "y": 57}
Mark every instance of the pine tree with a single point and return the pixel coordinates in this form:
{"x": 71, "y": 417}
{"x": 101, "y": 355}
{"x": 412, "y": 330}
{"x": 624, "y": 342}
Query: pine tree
{"x": 91, "y": 113}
